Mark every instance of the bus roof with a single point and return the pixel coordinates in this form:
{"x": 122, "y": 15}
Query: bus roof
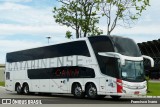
{"x": 67, "y": 41}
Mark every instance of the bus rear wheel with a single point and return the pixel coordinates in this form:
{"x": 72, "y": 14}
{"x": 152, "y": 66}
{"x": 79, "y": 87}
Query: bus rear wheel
{"x": 26, "y": 89}
{"x": 19, "y": 89}
{"x": 77, "y": 91}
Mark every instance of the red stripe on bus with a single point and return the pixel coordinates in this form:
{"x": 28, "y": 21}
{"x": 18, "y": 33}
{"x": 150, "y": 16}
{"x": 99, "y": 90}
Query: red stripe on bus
{"x": 119, "y": 86}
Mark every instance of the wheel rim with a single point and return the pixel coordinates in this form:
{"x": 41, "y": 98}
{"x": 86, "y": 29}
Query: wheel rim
{"x": 92, "y": 91}
{"x": 26, "y": 90}
{"x": 18, "y": 88}
{"x": 78, "y": 91}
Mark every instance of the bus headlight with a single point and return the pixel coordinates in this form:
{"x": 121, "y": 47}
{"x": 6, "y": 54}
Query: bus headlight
{"x": 126, "y": 86}
{"x": 134, "y": 87}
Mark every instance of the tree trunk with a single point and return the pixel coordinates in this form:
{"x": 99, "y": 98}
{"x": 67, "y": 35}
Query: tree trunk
{"x": 77, "y": 33}
{"x": 108, "y": 33}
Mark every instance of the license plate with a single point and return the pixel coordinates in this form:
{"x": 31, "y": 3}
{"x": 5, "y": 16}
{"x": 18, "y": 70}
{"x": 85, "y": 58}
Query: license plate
{"x": 136, "y": 92}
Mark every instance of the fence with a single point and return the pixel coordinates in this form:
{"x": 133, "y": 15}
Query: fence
{"x": 152, "y": 49}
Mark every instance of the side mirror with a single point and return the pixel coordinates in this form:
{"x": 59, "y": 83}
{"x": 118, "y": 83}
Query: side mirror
{"x": 149, "y": 58}
{"x": 122, "y": 57}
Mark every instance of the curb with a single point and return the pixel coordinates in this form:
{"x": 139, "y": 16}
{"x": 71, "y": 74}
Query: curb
{"x": 141, "y": 96}
{"x": 153, "y": 96}
{"x": 2, "y": 87}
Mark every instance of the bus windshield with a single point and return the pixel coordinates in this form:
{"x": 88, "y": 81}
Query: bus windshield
{"x": 132, "y": 71}
{"x": 126, "y": 46}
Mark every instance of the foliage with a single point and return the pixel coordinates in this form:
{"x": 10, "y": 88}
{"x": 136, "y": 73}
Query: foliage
{"x": 80, "y": 15}
{"x": 84, "y": 15}
{"x": 123, "y": 11}
{"x": 68, "y": 34}
{"x": 2, "y": 83}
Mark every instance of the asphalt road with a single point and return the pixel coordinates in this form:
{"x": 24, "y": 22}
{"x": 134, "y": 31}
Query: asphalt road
{"x": 69, "y": 100}
{"x": 62, "y": 98}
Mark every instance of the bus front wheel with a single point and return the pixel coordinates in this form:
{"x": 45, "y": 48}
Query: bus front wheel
{"x": 77, "y": 91}
{"x": 91, "y": 91}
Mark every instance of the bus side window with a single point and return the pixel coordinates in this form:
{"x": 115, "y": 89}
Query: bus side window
{"x": 52, "y": 51}
{"x": 72, "y": 48}
{"x": 111, "y": 67}
{"x": 7, "y": 75}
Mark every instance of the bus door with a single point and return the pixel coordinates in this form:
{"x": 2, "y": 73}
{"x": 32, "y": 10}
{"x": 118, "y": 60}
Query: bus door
{"x": 9, "y": 80}
{"x": 111, "y": 86}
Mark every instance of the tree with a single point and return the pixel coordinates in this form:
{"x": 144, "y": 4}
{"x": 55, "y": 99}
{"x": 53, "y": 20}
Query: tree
{"x": 68, "y": 34}
{"x": 80, "y": 15}
{"x": 121, "y": 12}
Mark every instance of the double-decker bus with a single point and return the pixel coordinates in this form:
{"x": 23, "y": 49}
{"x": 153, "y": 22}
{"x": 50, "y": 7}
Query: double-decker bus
{"x": 94, "y": 66}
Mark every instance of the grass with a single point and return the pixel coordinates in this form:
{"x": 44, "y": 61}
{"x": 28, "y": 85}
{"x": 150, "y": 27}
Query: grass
{"x": 2, "y": 84}
{"x": 154, "y": 89}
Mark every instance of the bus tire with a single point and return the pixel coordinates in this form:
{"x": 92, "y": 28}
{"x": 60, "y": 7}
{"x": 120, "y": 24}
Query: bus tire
{"x": 77, "y": 91}
{"x": 91, "y": 91}
{"x": 115, "y": 97}
{"x": 26, "y": 89}
{"x": 18, "y": 89}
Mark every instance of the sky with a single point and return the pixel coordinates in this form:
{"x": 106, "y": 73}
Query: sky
{"x": 26, "y": 24}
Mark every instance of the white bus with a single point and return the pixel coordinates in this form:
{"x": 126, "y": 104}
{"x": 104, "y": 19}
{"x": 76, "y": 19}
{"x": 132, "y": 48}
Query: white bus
{"x": 93, "y": 66}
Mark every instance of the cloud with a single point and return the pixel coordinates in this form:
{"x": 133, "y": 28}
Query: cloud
{"x": 16, "y": 0}
{"x": 12, "y": 6}
{"x": 139, "y": 33}
{"x": 12, "y": 29}
{"x": 143, "y": 38}
{"x": 15, "y": 45}
{"x": 150, "y": 29}
{"x": 33, "y": 21}
{"x": 23, "y": 19}
{"x": 24, "y": 14}
{"x": 139, "y": 29}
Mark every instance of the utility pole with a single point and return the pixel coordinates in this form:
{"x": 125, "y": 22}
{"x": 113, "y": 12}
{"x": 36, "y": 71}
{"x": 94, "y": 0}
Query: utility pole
{"x": 48, "y": 38}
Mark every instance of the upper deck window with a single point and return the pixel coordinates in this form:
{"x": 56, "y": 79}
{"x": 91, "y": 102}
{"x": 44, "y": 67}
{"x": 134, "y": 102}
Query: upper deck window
{"x": 126, "y": 46}
{"x": 52, "y": 51}
{"x": 101, "y": 44}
